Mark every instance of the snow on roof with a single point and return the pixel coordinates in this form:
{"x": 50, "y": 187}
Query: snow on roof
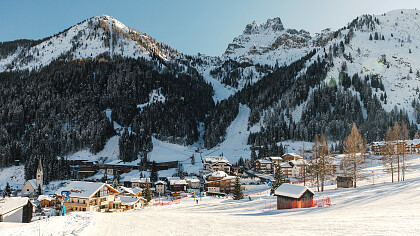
{"x": 276, "y": 158}
{"x": 137, "y": 190}
{"x": 83, "y": 189}
{"x": 125, "y": 189}
{"x": 292, "y": 154}
{"x": 292, "y": 190}
{"x": 128, "y": 200}
{"x": 177, "y": 182}
{"x": 11, "y": 203}
{"x": 215, "y": 159}
{"x": 264, "y": 161}
{"x": 136, "y": 179}
{"x": 192, "y": 179}
{"x": 160, "y": 182}
{"x": 33, "y": 183}
{"x": 219, "y": 174}
{"x": 44, "y": 197}
{"x": 413, "y": 142}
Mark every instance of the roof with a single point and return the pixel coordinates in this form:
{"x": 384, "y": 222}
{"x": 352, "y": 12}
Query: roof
{"x": 136, "y": 180}
{"x": 137, "y": 190}
{"x": 82, "y": 189}
{"x": 293, "y": 155}
{"x": 126, "y": 190}
{"x": 33, "y": 183}
{"x": 219, "y": 174}
{"x": 276, "y": 158}
{"x": 128, "y": 200}
{"x": 177, "y": 182}
{"x": 160, "y": 182}
{"x": 264, "y": 161}
{"x": 192, "y": 179}
{"x": 216, "y": 159}
{"x": 44, "y": 197}
{"x": 292, "y": 190}
{"x": 413, "y": 142}
{"x": 9, "y": 204}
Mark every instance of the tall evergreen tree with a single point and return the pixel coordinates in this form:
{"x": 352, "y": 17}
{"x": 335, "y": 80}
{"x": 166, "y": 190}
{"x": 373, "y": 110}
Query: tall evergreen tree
{"x": 147, "y": 193}
{"x": 237, "y": 190}
{"x": 278, "y": 179}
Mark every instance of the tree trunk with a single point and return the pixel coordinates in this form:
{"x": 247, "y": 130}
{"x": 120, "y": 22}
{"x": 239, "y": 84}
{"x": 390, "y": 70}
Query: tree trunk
{"x": 398, "y": 161}
{"x": 392, "y": 171}
{"x": 354, "y": 173}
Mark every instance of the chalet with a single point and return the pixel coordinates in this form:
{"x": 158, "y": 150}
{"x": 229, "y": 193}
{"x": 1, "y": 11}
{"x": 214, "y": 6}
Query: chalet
{"x": 413, "y": 146}
{"x": 193, "y": 182}
{"x": 177, "y": 184}
{"x": 344, "y": 182}
{"x": 218, "y": 182}
{"x": 132, "y": 182}
{"x": 16, "y": 209}
{"x": 46, "y": 201}
{"x": 291, "y": 157}
{"x": 130, "y": 203}
{"x": 160, "y": 187}
{"x": 294, "y": 196}
{"x": 90, "y": 196}
{"x": 216, "y": 163}
{"x": 263, "y": 166}
{"x": 276, "y": 161}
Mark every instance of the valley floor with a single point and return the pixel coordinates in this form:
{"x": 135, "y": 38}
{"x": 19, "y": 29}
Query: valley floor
{"x": 385, "y": 209}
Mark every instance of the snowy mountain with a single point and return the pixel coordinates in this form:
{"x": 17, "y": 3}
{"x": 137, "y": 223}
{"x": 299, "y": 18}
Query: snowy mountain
{"x": 98, "y": 35}
{"x": 269, "y": 43}
{"x": 273, "y": 83}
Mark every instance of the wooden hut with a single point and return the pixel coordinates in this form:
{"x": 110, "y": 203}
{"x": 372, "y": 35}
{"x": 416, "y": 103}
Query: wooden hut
{"x": 294, "y": 196}
{"x": 344, "y": 182}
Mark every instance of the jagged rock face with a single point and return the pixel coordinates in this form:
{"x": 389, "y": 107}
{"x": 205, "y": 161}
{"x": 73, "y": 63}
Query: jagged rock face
{"x": 269, "y": 43}
{"x": 272, "y": 25}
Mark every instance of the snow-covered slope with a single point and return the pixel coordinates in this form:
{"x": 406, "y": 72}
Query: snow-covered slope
{"x": 90, "y": 38}
{"x": 393, "y": 56}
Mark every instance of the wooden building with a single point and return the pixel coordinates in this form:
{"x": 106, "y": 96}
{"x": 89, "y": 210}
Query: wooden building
{"x": 46, "y": 201}
{"x": 90, "y": 196}
{"x": 130, "y": 202}
{"x": 263, "y": 166}
{"x": 219, "y": 182}
{"x": 294, "y": 196}
{"x": 291, "y": 157}
{"x": 344, "y": 182}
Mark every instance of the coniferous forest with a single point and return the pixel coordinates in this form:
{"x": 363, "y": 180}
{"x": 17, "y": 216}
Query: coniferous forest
{"x": 60, "y": 109}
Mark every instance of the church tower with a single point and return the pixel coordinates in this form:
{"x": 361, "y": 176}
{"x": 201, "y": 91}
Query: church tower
{"x": 39, "y": 174}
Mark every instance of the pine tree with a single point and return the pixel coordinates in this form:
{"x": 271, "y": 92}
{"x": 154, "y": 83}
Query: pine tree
{"x": 147, "y": 192}
{"x": 237, "y": 190}
{"x": 154, "y": 173}
{"x": 278, "y": 179}
{"x": 8, "y": 190}
{"x": 39, "y": 190}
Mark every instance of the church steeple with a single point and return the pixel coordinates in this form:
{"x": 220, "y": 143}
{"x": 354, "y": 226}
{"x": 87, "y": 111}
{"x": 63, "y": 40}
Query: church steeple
{"x": 39, "y": 174}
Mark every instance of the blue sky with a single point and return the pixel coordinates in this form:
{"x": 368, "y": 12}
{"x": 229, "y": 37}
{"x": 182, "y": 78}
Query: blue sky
{"x": 191, "y": 26}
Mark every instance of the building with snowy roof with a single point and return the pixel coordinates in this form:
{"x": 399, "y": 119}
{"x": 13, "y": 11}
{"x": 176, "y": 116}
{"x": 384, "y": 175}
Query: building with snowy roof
{"x": 219, "y": 182}
{"x": 132, "y": 182}
{"x": 90, "y": 196}
{"x": 16, "y": 209}
{"x": 264, "y": 166}
{"x": 193, "y": 182}
{"x": 294, "y": 196}
{"x": 160, "y": 187}
{"x": 216, "y": 163}
{"x": 130, "y": 202}
{"x": 46, "y": 200}
{"x": 31, "y": 186}
{"x": 291, "y": 157}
